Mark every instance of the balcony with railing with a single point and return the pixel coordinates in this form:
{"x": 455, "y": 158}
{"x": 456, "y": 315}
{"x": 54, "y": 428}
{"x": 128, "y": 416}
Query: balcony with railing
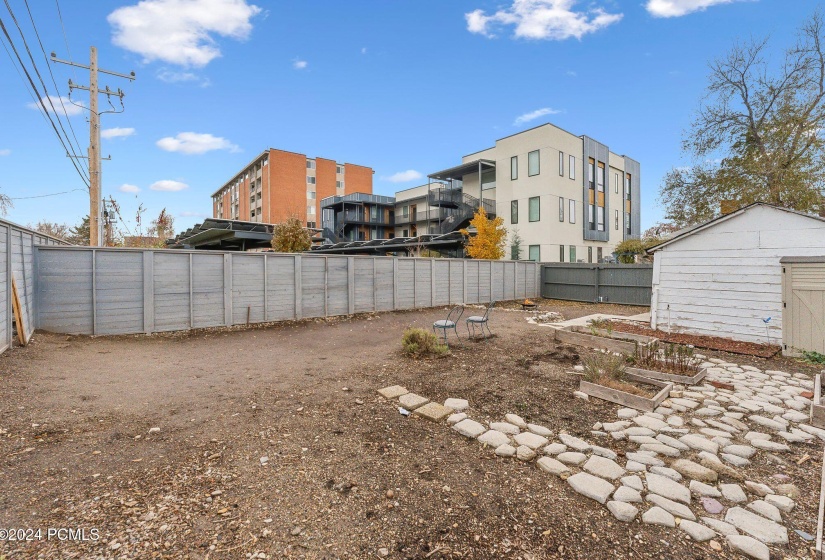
{"x": 358, "y": 197}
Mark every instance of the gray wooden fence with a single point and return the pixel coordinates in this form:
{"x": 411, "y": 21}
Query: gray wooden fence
{"x": 609, "y": 283}
{"x": 124, "y": 291}
{"x": 17, "y": 261}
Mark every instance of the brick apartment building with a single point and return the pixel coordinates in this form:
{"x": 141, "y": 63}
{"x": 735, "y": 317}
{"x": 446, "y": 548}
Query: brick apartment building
{"x": 278, "y": 184}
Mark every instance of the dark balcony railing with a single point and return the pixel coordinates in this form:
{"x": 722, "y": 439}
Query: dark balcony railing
{"x": 355, "y": 216}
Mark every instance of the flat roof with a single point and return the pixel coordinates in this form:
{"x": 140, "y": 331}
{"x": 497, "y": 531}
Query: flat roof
{"x": 460, "y": 171}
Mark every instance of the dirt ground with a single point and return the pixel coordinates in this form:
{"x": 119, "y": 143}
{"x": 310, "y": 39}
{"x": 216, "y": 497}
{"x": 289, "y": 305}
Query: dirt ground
{"x": 273, "y": 442}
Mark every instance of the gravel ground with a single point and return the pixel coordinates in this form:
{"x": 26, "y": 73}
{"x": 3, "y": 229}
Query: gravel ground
{"x": 272, "y": 441}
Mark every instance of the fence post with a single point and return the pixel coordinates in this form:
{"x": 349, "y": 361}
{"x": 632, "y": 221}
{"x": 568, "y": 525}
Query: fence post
{"x": 326, "y": 285}
{"x": 596, "y": 284}
{"x": 299, "y": 288}
{"x": 191, "y": 296}
{"x": 395, "y": 283}
{"x": 8, "y": 285}
{"x": 227, "y": 289}
{"x": 374, "y": 288}
{"x": 94, "y": 287}
{"x": 432, "y": 282}
{"x": 464, "y": 278}
{"x": 351, "y": 284}
{"x": 148, "y": 292}
{"x": 266, "y": 289}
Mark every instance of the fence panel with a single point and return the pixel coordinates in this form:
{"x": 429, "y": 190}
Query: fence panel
{"x": 118, "y": 291}
{"x": 607, "y": 283}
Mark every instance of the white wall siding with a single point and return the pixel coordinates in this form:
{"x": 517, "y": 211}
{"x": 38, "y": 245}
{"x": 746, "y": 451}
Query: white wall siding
{"x": 725, "y": 279}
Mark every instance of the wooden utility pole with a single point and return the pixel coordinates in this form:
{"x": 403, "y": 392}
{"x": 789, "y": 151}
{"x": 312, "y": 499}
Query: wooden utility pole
{"x": 95, "y": 231}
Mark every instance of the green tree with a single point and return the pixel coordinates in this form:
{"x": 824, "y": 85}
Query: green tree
{"x": 757, "y": 135}
{"x": 488, "y": 242}
{"x": 79, "y": 234}
{"x": 515, "y": 245}
{"x": 291, "y": 237}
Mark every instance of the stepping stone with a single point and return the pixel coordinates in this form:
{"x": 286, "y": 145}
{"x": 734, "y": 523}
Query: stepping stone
{"x": 433, "y": 412}
{"x": 765, "y": 509}
{"x": 604, "y": 452}
{"x": 505, "y": 428}
{"x": 759, "y": 489}
{"x": 548, "y": 464}
{"x": 712, "y": 432}
{"x": 661, "y": 449}
{"x": 505, "y": 450}
{"x": 751, "y": 436}
{"x": 392, "y": 392}
{"x": 668, "y": 472}
{"x": 627, "y": 494}
{"x": 524, "y": 453}
{"x": 667, "y": 488}
{"x": 695, "y": 471}
{"x": 494, "y": 439}
{"x": 792, "y": 438}
{"x": 626, "y": 413}
{"x": 677, "y": 509}
{"x": 622, "y": 511}
{"x": 788, "y": 490}
{"x": 605, "y": 468}
{"x": 633, "y": 481}
{"x": 639, "y": 440}
{"x": 675, "y": 421}
{"x": 411, "y": 401}
{"x": 572, "y": 457}
{"x": 766, "y": 422}
{"x": 633, "y": 466}
{"x": 794, "y": 416}
{"x": 782, "y": 503}
{"x": 591, "y": 486}
{"x": 658, "y": 516}
{"x": 697, "y": 532}
{"x": 744, "y": 451}
{"x": 615, "y": 426}
{"x": 704, "y": 489}
{"x": 531, "y": 440}
{"x": 517, "y": 420}
{"x": 651, "y": 423}
{"x": 733, "y": 493}
{"x": 699, "y": 443}
{"x": 639, "y": 431}
{"x": 719, "y": 526}
{"x": 711, "y": 505}
{"x": 757, "y": 526}
{"x": 453, "y": 419}
{"x": 459, "y": 405}
{"x": 707, "y": 412}
{"x": 687, "y": 403}
{"x": 555, "y": 448}
{"x": 749, "y": 547}
{"x": 735, "y": 460}
{"x": 540, "y": 430}
{"x": 469, "y": 428}
{"x": 769, "y": 445}
{"x": 644, "y": 459}
{"x": 575, "y": 443}
{"x": 818, "y": 432}
{"x": 672, "y": 442}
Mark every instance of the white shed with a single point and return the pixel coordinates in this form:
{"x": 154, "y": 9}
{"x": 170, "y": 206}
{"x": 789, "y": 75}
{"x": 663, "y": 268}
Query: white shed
{"x": 723, "y": 278}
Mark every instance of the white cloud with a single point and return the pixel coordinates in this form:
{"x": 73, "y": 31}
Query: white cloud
{"x": 127, "y": 188}
{"x": 542, "y": 19}
{"x": 5, "y": 152}
{"x": 364, "y": 50}
{"x": 53, "y": 100}
{"x": 168, "y": 186}
{"x": 180, "y": 31}
{"x": 193, "y": 143}
{"x": 533, "y": 115}
{"x": 677, "y": 8}
{"x": 572, "y": 73}
{"x": 116, "y": 132}
{"x": 299, "y": 64}
{"x": 404, "y": 176}
{"x": 188, "y": 214}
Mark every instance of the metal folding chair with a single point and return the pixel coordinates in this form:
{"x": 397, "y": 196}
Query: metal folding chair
{"x": 451, "y": 322}
{"x": 480, "y": 322}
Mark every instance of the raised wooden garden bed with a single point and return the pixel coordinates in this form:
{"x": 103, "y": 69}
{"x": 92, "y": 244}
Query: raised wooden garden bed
{"x": 598, "y": 342}
{"x": 817, "y": 406}
{"x": 627, "y": 399}
{"x": 662, "y": 376}
{"x": 616, "y": 335}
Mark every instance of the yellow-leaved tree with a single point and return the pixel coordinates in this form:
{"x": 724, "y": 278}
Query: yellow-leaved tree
{"x": 291, "y": 237}
{"x": 488, "y": 242}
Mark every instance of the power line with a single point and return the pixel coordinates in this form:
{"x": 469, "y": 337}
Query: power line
{"x": 68, "y": 149}
{"x": 45, "y": 195}
{"x": 49, "y": 68}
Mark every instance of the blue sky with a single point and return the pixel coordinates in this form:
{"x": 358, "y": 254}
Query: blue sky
{"x": 406, "y": 87}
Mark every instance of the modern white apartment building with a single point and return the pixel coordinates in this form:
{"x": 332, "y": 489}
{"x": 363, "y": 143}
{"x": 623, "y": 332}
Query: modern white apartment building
{"x": 569, "y": 197}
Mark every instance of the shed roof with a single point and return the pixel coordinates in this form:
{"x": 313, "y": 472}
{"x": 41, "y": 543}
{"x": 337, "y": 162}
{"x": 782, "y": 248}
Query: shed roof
{"x": 718, "y": 220}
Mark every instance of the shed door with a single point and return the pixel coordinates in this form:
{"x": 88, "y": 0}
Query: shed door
{"x": 804, "y": 314}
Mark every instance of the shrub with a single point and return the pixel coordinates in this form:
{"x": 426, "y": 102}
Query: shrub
{"x": 422, "y": 343}
{"x": 601, "y": 366}
{"x": 601, "y": 324}
{"x": 673, "y": 358}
